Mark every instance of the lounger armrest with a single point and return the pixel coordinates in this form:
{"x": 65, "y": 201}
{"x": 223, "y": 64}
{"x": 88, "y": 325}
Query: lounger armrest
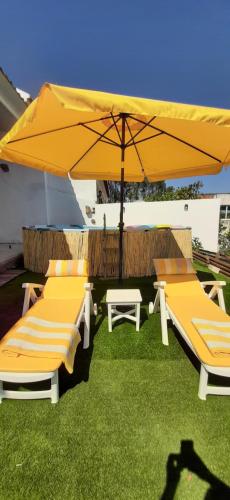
{"x": 33, "y": 285}
{"x": 88, "y": 287}
{"x": 213, "y": 283}
{"x": 30, "y": 295}
{"x": 159, "y": 284}
{"x": 216, "y": 290}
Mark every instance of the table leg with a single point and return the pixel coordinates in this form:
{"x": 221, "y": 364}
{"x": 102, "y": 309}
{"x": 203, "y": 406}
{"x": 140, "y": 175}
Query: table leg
{"x": 110, "y": 317}
{"x": 138, "y": 309}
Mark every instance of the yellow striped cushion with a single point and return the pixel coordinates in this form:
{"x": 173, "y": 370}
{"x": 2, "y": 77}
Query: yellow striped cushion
{"x": 77, "y": 267}
{"x": 40, "y": 338}
{"x": 173, "y": 266}
{"x": 215, "y": 334}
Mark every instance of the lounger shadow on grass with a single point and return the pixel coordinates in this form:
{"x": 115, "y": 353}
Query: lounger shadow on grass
{"x": 205, "y": 276}
{"x": 213, "y": 379}
{"x": 82, "y": 362}
{"x": 81, "y": 371}
{"x": 189, "y": 459}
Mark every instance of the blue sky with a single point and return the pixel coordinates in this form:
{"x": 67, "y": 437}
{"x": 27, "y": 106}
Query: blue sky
{"x": 175, "y": 50}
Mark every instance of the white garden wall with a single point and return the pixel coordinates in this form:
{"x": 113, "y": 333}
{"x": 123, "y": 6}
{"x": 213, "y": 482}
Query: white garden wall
{"x": 66, "y": 200}
{"x": 30, "y": 197}
{"x": 202, "y": 216}
{"x": 22, "y": 202}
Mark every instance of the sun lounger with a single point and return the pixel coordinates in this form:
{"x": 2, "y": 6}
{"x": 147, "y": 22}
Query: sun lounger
{"x": 181, "y": 298}
{"x": 49, "y": 326}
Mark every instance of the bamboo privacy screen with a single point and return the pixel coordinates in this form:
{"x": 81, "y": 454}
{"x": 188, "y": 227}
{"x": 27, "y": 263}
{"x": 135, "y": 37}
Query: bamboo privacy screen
{"x": 140, "y": 248}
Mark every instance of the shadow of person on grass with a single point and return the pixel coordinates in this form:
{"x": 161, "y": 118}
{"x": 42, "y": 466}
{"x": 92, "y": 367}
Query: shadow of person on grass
{"x": 189, "y": 459}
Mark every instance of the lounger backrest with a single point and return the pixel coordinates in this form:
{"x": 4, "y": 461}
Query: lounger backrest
{"x": 173, "y": 266}
{"x": 68, "y": 267}
{"x": 66, "y": 279}
{"x": 181, "y": 285}
{"x": 181, "y": 279}
{"x": 68, "y": 287}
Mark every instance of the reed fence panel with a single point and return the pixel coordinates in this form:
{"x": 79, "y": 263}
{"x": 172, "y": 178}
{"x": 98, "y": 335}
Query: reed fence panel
{"x": 102, "y": 249}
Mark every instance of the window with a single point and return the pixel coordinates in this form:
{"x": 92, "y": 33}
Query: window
{"x": 225, "y": 212}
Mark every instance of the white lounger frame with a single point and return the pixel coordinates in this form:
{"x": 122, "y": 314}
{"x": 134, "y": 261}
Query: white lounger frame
{"x": 28, "y": 377}
{"x": 166, "y": 314}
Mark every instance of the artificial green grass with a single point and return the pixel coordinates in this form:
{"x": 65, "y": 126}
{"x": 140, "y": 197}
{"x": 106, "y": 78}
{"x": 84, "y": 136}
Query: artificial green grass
{"x": 117, "y": 430}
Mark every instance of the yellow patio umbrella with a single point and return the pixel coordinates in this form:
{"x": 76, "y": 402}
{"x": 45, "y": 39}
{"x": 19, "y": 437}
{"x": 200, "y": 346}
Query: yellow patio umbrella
{"x": 95, "y": 135}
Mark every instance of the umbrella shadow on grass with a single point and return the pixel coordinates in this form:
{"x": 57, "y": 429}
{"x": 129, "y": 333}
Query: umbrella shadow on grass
{"x": 190, "y": 460}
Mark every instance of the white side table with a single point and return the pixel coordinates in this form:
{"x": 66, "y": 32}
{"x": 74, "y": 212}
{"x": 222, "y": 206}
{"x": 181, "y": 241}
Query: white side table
{"x": 116, "y": 298}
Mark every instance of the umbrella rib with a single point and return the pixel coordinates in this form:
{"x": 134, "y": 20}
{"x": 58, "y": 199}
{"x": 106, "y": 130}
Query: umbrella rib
{"x": 92, "y": 145}
{"x": 115, "y": 144}
{"x": 115, "y": 124}
{"x": 181, "y": 140}
{"x": 59, "y": 129}
{"x": 108, "y": 140}
{"x": 145, "y": 139}
{"x": 146, "y": 124}
{"x": 134, "y": 143}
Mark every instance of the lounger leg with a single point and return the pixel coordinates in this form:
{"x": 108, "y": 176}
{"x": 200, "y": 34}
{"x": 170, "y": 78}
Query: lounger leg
{"x": 91, "y": 304}
{"x": 26, "y": 303}
{"x": 110, "y": 327}
{"x": 221, "y": 299}
{"x": 87, "y": 320}
{"x": 138, "y": 312}
{"x": 54, "y": 388}
{"x": 156, "y": 302}
{"x": 164, "y": 326}
{"x": 1, "y": 390}
{"x": 203, "y": 384}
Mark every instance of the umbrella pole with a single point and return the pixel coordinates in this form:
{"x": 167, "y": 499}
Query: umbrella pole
{"x": 121, "y": 224}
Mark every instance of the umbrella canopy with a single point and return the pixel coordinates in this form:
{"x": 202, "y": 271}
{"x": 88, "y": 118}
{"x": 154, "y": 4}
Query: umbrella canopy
{"x": 95, "y": 135}
{"x": 79, "y": 132}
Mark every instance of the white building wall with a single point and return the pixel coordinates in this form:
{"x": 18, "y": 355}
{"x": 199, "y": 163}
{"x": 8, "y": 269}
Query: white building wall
{"x": 67, "y": 200}
{"x": 22, "y": 202}
{"x": 86, "y": 195}
{"x": 9, "y": 98}
{"x": 29, "y": 197}
{"x": 224, "y": 198}
{"x": 64, "y": 204}
{"x": 22, "y": 193}
{"x": 202, "y": 216}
